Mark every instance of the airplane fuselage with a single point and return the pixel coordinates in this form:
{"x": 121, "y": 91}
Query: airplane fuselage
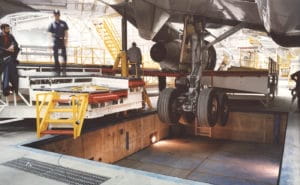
{"x": 281, "y": 19}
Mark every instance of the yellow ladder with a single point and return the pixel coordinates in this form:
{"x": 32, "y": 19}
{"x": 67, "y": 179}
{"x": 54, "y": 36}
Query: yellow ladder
{"x": 110, "y": 36}
{"x": 48, "y": 104}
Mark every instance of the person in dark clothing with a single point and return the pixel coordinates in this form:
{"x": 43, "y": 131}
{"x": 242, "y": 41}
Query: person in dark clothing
{"x": 10, "y": 76}
{"x": 8, "y": 43}
{"x": 59, "y": 30}
{"x": 8, "y": 60}
{"x": 134, "y": 56}
{"x": 296, "y": 91}
{"x": 296, "y": 77}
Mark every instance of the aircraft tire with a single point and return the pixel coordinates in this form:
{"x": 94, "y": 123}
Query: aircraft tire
{"x": 224, "y": 109}
{"x": 167, "y": 106}
{"x": 208, "y": 107}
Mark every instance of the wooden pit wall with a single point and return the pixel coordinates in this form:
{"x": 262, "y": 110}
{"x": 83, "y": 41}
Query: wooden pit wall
{"x": 250, "y": 127}
{"x": 108, "y": 144}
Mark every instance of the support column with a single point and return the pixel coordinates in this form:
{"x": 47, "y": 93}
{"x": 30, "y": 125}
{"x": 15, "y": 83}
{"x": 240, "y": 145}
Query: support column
{"x": 124, "y": 29}
{"x": 124, "y": 62}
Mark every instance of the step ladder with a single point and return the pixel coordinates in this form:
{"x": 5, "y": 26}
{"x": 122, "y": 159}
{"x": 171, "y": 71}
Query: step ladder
{"x": 110, "y": 36}
{"x": 59, "y": 114}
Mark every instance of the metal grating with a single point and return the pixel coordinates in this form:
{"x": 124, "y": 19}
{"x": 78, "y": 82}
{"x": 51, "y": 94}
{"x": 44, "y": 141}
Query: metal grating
{"x": 55, "y": 172}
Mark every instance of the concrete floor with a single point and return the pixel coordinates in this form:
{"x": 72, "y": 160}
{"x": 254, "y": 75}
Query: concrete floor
{"x": 14, "y": 135}
{"x": 211, "y": 161}
{"x": 290, "y": 170}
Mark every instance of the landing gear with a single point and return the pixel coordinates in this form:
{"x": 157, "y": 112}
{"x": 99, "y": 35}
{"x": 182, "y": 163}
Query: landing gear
{"x": 211, "y": 57}
{"x": 191, "y": 98}
{"x": 208, "y": 107}
{"x": 162, "y": 83}
{"x": 188, "y": 117}
{"x": 224, "y": 109}
{"x": 167, "y": 106}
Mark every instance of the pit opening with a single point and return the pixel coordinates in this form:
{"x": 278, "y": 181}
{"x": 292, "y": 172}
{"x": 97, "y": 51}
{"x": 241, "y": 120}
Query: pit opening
{"x": 248, "y": 150}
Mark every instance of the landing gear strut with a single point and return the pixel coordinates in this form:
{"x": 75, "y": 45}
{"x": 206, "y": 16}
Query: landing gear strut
{"x": 190, "y": 97}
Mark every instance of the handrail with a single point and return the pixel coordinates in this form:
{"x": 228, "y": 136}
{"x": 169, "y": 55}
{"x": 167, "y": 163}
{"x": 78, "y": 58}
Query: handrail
{"x": 78, "y": 103}
{"x": 114, "y": 31}
{"x": 76, "y": 55}
{"x": 81, "y": 112}
{"x": 39, "y": 106}
{"x": 110, "y": 36}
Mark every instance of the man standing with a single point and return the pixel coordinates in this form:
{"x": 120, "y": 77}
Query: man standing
{"x": 8, "y": 43}
{"x": 59, "y": 30}
{"x": 9, "y": 50}
{"x": 296, "y": 77}
{"x": 296, "y": 91}
{"x": 134, "y": 56}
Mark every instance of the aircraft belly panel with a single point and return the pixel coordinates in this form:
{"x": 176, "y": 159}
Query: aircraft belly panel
{"x": 238, "y": 10}
{"x": 12, "y": 6}
{"x": 285, "y": 17}
{"x": 280, "y": 17}
{"x": 149, "y": 25}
